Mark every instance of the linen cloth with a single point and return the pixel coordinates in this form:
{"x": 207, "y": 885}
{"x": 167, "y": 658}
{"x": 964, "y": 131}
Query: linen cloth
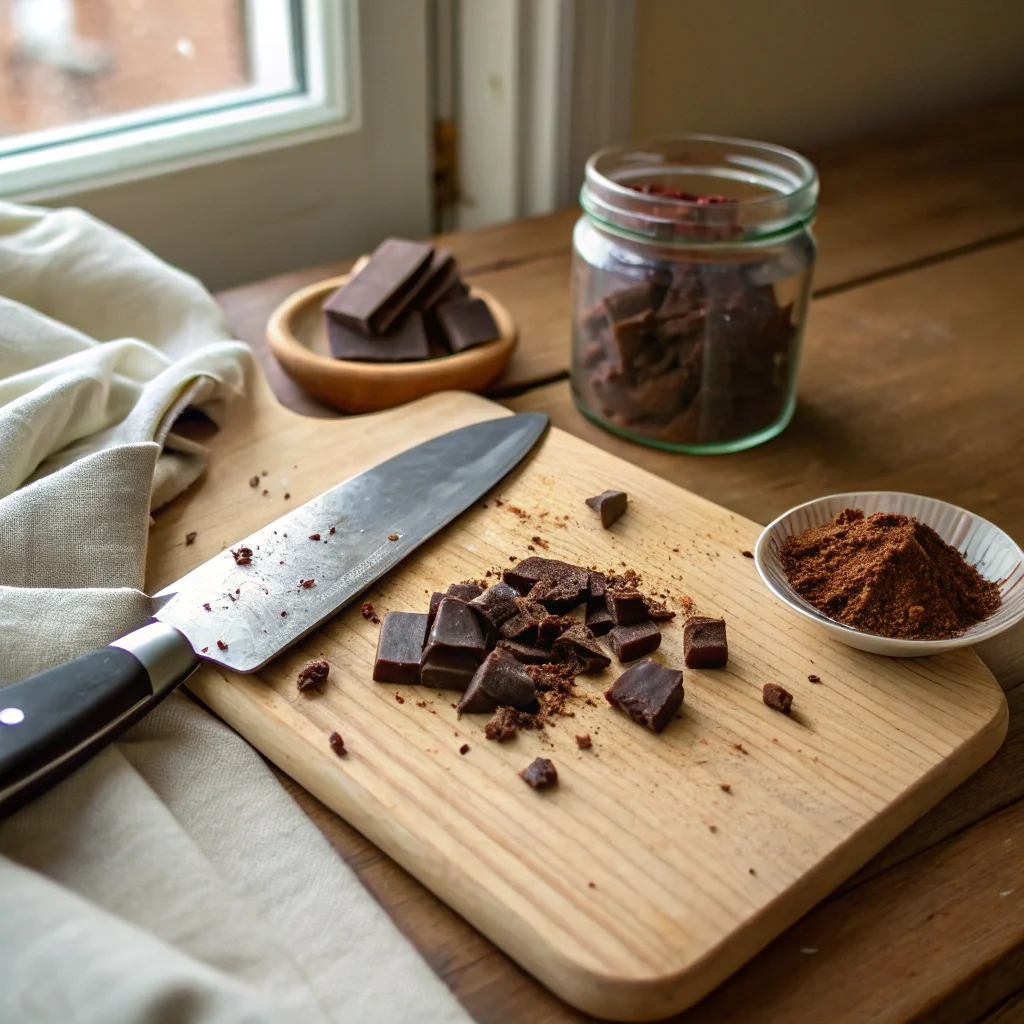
{"x": 171, "y": 879}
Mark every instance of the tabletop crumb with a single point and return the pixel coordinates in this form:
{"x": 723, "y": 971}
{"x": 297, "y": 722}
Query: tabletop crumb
{"x": 312, "y": 675}
{"x": 286, "y": 495}
{"x": 314, "y": 536}
{"x": 725, "y": 787}
{"x": 742, "y": 749}
{"x": 223, "y": 646}
{"x": 190, "y": 538}
{"x": 464, "y": 749}
{"x": 813, "y": 679}
{"x": 337, "y": 744}
{"x": 254, "y": 481}
{"x": 306, "y": 584}
{"x": 584, "y": 742}
{"x": 712, "y": 828}
{"x": 206, "y": 605}
{"x": 392, "y": 536}
{"x": 591, "y": 885}
{"x": 399, "y": 698}
{"x": 242, "y": 556}
{"x": 747, "y": 554}
{"x": 370, "y": 613}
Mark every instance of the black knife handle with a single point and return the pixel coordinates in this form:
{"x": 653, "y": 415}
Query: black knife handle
{"x": 53, "y": 722}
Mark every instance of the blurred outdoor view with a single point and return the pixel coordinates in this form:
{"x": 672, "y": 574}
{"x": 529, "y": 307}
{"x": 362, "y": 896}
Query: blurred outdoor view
{"x": 69, "y": 62}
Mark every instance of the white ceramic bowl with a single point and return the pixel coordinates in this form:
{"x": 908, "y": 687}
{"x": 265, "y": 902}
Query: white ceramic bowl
{"x": 996, "y": 556}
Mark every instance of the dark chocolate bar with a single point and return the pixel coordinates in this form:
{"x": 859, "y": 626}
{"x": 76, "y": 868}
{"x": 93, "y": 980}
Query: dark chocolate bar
{"x": 407, "y": 343}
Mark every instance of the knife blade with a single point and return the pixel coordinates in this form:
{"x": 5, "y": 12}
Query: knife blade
{"x": 254, "y": 600}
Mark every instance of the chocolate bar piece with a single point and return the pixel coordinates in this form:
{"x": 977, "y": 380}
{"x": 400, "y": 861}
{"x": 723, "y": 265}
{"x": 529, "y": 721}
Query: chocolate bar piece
{"x": 407, "y": 343}
{"x": 540, "y": 773}
{"x": 598, "y": 584}
{"x": 704, "y": 643}
{"x": 523, "y": 625}
{"x": 649, "y": 693}
{"x": 435, "y": 602}
{"x": 497, "y": 604}
{"x": 551, "y": 627}
{"x": 439, "y": 281}
{"x": 559, "y": 586}
{"x": 579, "y": 644}
{"x": 777, "y": 698}
{"x": 528, "y": 654}
{"x": 375, "y": 298}
{"x": 609, "y": 505}
{"x": 632, "y": 642}
{"x": 466, "y": 323}
{"x": 446, "y": 668}
{"x": 464, "y": 591}
{"x": 627, "y": 607}
{"x": 629, "y": 302}
{"x": 400, "y": 647}
{"x": 599, "y": 619}
{"x": 457, "y": 628}
{"x": 500, "y": 680}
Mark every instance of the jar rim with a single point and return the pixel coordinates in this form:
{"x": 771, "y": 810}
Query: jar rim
{"x": 786, "y": 180}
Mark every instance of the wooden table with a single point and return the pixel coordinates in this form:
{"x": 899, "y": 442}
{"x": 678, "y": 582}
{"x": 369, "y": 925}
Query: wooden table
{"x": 911, "y": 380}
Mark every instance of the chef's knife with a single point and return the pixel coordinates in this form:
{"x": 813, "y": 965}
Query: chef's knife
{"x": 252, "y": 601}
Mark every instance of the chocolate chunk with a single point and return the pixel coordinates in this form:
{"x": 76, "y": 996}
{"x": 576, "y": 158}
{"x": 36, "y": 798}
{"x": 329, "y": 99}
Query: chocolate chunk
{"x": 649, "y": 693}
{"x": 777, "y": 698}
{"x": 465, "y": 591}
{"x": 524, "y": 624}
{"x": 457, "y": 628}
{"x": 632, "y": 642}
{"x": 312, "y": 675}
{"x": 466, "y": 323}
{"x": 447, "y": 669}
{"x": 437, "y": 282}
{"x": 503, "y": 726}
{"x": 580, "y": 643}
{"x": 658, "y": 611}
{"x": 435, "y": 602}
{"x": 528, "y": 654}
{"x": 531, "y": 571}
{"x": 627, "y": 607}
{"x": 499, "y": 680}
{"x": 551, "y": 627}
{"x": 375, "y": 297}
{"x": 598, "y": 584}
{"x": 599, "y": 620}
{"x": 497, "y": 604}
{"x": 609, "y": 505}
{"x": 406, "y": 343}
{"x": 704, "y": 642}
{"x": 629, "y": 302}
{"x": 400, "y": 647}
{"x": 540, "y": 773}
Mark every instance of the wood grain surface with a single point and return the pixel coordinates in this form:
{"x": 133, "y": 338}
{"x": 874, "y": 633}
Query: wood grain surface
{"x": 888, "y": 202}
{"x": 676, "y": 906}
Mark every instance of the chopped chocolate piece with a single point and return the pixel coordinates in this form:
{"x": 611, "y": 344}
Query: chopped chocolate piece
{"x": 584, "y": 742}
{"x": 400, "y": 647}
{"x": 632, "y": 642}
{"x": 437, "y": 281}
{"x": 464, "y": 591}
{"x": 446, "y": 668}
{"x": 609, "y": 505}
{"x": 658, "y": 611}
{"x": 649, "y": 693}
{"x": 337, "y": 744}
{"x": 627, "y": 607}
{"x": 562, "y": 575}
{"x": 579, "y": 642}
{"x": 551, "y": 627}
{"x": 523, "y": 625}
{"x": 312, "y": 675}
{"x": 457, "y": 628}
{"x": 497, "y": 604}
{"x": 777, "y": 698}
{"x": 466, "y": 323}
{"x": 599, "y": 620}
{"x": 704, "y": 642}
{"x": 242, "y": 556}
{"x": 503, "y": 726}
{"x": 406, "y": 343}
{"x": 435, "y": 602}
{"x": 598, "y": 584}
{"x": 464, "y": 749}
{"x": 528, "y": 654}
{"x": 375, "y": 297}
{"x": 499, "y": 680}
{"x": 814, "y": 679}
{"x": 190, "y": 538}
{"x": 540, "y": 773}
{"x": 630, "y": 302}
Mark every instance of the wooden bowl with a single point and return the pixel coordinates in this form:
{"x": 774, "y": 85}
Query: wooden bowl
{"x": 298, "y": 338}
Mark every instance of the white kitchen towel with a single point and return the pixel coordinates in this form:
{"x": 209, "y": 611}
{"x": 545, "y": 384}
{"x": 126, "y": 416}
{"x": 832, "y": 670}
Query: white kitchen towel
{"x": 171, "y": 879}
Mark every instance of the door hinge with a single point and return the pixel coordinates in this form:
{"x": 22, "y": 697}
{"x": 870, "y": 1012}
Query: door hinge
{"x": 446, "y": 165}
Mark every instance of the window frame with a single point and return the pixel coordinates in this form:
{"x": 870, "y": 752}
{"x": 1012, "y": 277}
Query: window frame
{"x": 172, "y": 137}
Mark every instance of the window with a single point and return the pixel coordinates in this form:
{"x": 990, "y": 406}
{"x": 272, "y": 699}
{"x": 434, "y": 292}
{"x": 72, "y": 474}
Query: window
{"x": 96, "y": 91}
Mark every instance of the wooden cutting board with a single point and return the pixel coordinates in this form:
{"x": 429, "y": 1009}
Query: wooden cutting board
{"x": 641, "y": 882}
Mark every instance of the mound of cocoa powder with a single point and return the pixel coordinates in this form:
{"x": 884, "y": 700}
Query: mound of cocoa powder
{"x": 888, "y": 574}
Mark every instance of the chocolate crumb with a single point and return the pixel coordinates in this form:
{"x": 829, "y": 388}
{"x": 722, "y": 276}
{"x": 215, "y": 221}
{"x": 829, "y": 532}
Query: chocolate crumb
{"x": 464, "y": 749}
{"x": 265, "y": 492}
{"x": 190, "y": 538}
{"x": 712, "y": 828}
{"x": 751, "y": 871}
{"x": 314, "y": 536}
{"x": 584, "y": 742}
{"x": 392, "y": 536}
{"x": 207, "y": 606}
{"x": 590, "y": 885}
{"x": 747, "y": 554}
{"x": 254, "y": 481}
{"x": 204, "y": 650}
{"x": 337, "y": 744}
{"x": 503, "y": 726}
{"x": 814, "y": 679}
{"x": 725, "y": 787}
{"x": 399, "y": 698}
{"x": 541, "y": 543}
{"x": 306, "y": 584}
{"x": 370, "y": 613}
{"x": 242, "y": 556}
{"x": 223, "y": 646}
{"x": 540, "y": 773}
{"x": 740, "y": 748}
{"x": 777, "y": 698}
{"x": 263, "y": 472}
{"x": 313, "y": 675}
{"x": 284, "y": 615}
{"x": 331, "y": 531}
{"x": 287, "y": 496}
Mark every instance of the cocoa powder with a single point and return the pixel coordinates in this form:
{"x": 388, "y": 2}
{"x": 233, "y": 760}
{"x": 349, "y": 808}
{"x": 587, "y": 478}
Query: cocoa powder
{"x": 888, "y": 574}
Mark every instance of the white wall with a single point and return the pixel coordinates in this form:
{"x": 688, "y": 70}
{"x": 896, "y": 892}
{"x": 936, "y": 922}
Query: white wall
{"x": 803, "y": 71}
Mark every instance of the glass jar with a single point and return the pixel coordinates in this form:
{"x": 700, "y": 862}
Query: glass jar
{"x": 691, "y": 279}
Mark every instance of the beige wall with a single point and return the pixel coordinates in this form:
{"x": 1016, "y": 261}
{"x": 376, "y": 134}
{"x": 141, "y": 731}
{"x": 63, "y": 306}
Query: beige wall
{"x": 801, "y": 71}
